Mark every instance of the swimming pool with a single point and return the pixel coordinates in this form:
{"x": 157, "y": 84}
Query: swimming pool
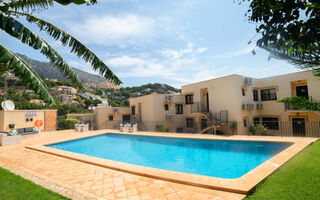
{"x": 215, "y": 158}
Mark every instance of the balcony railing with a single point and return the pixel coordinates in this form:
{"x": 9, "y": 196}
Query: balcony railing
{"x": 290, "y": 107}
{"x": 198, "y": 107}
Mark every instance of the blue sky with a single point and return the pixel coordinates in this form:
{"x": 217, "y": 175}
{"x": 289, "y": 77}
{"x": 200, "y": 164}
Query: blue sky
{"x": 173, "y": 42}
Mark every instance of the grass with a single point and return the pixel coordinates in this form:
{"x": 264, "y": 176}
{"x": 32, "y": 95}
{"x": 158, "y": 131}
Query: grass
{"x": 298, "y": 179}
{"x": 15, "y": 187}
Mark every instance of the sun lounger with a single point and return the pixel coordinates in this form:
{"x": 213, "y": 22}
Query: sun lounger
{"x": 6, "y": 139}
{"x": 81, "y": 127}
{"x": 124, "y": 127}
{"x": 133, "y": 127}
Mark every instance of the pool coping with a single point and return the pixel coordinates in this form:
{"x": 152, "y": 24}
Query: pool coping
{"x": 240, "y": 185}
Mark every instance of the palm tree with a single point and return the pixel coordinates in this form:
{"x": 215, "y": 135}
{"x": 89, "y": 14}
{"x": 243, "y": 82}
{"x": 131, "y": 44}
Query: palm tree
{"x": 10, "y": 10}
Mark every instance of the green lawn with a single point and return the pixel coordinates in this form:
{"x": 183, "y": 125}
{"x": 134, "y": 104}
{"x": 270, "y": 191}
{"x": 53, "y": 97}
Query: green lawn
{"x": 297, "y": 179}
{"x": 15, "y": 187}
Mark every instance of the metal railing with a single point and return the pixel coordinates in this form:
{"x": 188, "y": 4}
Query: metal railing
{"x": 198, "y": 107}
{"x": 290, "y": 107}
{"x": 270, "y": 128}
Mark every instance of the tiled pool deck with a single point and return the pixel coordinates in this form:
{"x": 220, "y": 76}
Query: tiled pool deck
{"x": 80, "y": 180}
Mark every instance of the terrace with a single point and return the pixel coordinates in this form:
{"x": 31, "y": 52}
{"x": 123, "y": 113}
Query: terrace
{"x": 80, "y": 178}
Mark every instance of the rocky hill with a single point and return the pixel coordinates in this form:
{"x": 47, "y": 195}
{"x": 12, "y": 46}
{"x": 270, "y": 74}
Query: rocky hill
{"x": 47, "y": 70}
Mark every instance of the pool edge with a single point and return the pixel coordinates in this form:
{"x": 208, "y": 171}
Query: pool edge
{"x": 240, "y": 185}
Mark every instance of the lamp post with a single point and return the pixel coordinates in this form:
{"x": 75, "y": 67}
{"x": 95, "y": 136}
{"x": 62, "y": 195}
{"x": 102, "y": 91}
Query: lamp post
{"x": 91, "y": 108}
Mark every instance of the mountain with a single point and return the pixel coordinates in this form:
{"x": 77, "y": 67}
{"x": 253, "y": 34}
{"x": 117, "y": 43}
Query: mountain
{"x": 47, "y": 70}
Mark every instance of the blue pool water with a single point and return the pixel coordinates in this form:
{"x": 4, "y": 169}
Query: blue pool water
{"x": 216, "y": 158}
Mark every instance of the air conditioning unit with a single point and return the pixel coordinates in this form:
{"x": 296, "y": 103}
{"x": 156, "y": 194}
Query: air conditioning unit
{"x": 247, "y": 106}
{"x": 116, "y": 110}
{"x": 169, "y": 116}
{"x": 169, "y": 98}
{"x": 259, "y": 106}
{"x": 248, "y": 81}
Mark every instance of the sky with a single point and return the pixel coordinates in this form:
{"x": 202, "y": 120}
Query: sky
{"x": 172, "y": 42}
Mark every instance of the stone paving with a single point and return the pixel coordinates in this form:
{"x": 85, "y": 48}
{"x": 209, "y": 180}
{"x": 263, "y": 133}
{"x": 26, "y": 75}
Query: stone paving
{"x": 78, "y": 180}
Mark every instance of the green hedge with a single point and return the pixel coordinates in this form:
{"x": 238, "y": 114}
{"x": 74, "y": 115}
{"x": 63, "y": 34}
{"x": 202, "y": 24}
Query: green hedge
{"x": 66, "y": 123}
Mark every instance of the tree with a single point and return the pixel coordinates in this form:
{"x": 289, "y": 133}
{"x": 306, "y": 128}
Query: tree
{"x": 290, "y": 30}
{"x": 10, "y": 10}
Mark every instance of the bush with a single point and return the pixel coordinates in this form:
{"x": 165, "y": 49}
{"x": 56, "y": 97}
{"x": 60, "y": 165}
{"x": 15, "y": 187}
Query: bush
{"x": 160, "y": 128}
{"x": 66, "y": 123}
{"x": 259, "y": 129}
{"x": 233, "y": 126}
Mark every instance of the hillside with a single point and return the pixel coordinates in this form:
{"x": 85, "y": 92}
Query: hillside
{"x": 47, "y": 70}
{"x": 121, "y": 97}
{"x": 117, "y": 95}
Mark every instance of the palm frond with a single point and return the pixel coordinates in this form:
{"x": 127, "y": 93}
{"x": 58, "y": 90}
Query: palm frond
{"x": 302, "y": 58}
{"x": 76, "y": 46}
{"x": 39, "y": 4}
{"x": 19, "y": 31}
{"x": 22, "y": 70}
{"x": 27, "y": 4}
{"x": 66, "y": 2}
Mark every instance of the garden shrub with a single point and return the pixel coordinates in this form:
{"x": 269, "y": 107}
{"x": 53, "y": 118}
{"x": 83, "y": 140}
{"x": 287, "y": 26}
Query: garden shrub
{"x": 259, "y": 129}
{"x": 160, "y": 128}
{"x": 67, "y": 123}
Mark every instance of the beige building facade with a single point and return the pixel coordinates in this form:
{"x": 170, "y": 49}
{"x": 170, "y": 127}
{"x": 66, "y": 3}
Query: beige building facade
{"x": 250, "y": 101}
{"x": 223, "y": 105}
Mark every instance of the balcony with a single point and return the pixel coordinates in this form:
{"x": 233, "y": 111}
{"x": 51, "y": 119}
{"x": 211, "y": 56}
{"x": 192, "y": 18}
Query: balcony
{"x": 197, "y": 107}
{"x": 288, "y": 107}
{"x": 221, "y": 116}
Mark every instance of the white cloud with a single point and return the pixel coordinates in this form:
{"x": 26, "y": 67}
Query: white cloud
{"x": 175, "y": 54}
{"x": 244, "y": 51}
{"x": 114, "y": 30}
{"x": 125, "y": 61}
{"x": 201, "y": 50}
{"x": 173, "y": 64}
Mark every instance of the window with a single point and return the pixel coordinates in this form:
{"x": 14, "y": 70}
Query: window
{"x": 126, "y": 118}
{"x": 133, "y": 110}
{"x": 179, "y": 109}
{"x": 271, "y": 123}
{"x": 245, "y": 123}
{"x": 110, "y": 118}
{"x": 189, "y": 99}
{"x": 166, "y": 107}
{"x": 189, "y": 122}
{"x": 269, "y": 94}
{"x": 255, "y": 95}
{"x": 256, "y": 120}
{"x": 243, "y": 91}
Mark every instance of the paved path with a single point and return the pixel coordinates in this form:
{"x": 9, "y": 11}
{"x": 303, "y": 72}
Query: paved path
{"x": 79, "y": 180}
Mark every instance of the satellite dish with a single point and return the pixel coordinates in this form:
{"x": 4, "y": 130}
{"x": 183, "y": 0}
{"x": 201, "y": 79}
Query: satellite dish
{"x": 7, "y": 105}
